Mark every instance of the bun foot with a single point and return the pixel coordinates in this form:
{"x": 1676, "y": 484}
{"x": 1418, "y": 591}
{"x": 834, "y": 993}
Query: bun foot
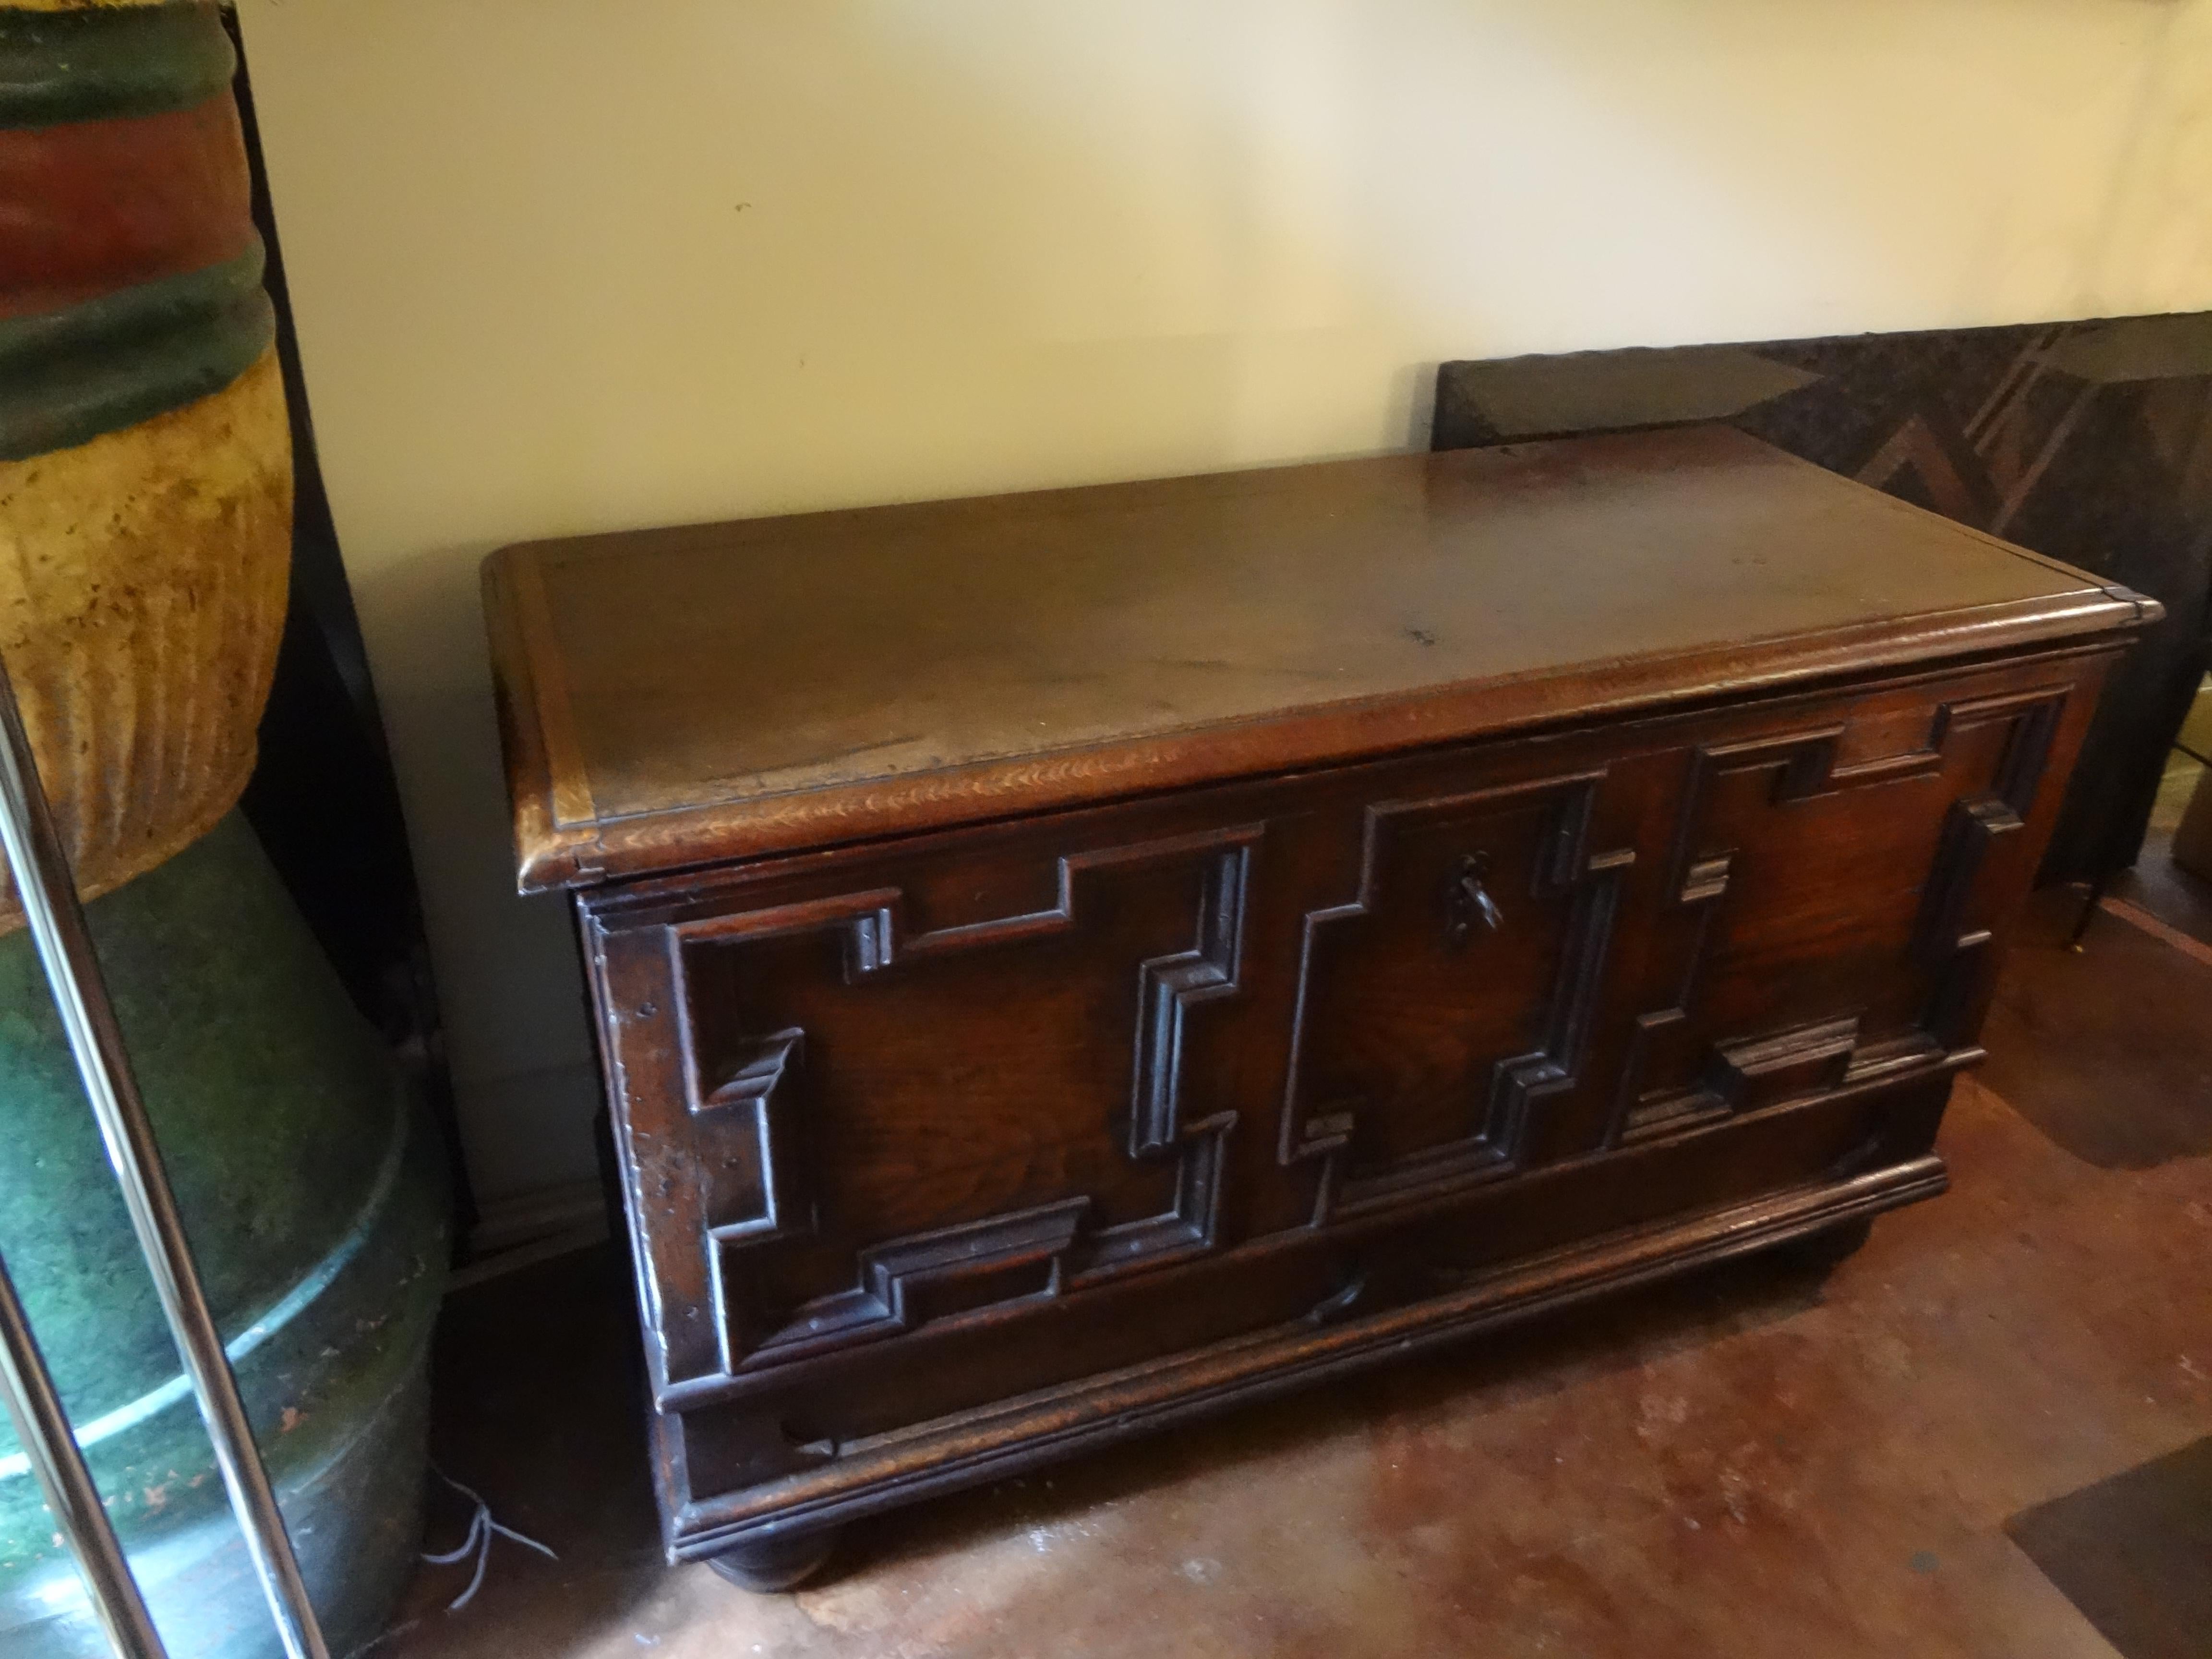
{"x": 1832, "y": 1246}
{"x": 775, "y": 1563}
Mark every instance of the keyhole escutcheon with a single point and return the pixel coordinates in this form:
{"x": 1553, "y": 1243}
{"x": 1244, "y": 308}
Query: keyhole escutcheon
{"x": 1468, "y": 903}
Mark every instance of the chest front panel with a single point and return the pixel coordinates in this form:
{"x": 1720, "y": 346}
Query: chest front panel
{"x": 913, "y": 1130}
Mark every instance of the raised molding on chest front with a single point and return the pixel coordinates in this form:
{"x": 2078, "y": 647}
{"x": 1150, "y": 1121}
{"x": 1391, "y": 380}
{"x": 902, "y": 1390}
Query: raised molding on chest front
{"x": 1823, "y": 923}
{"x": 1465, "y": 977}
{"x": 790, "y": 1012}
{"x": 1434, "y": 1014}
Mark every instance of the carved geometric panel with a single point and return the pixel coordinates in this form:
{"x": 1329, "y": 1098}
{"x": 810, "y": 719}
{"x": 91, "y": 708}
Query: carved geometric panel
{"x": 774, "y": 1236}
{"x": 749, "y": 1189}
{"x": 1827, "y": 922}
{"x": 1451, "y": 995}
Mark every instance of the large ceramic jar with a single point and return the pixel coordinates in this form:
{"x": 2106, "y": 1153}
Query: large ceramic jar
{"x": 145, "y": 503}
{"x": 145, "y": 466}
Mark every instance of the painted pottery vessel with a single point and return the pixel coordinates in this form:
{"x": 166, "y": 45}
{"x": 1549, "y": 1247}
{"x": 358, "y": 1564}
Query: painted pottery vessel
{"x": 145, "y": 466}
{"x": 314, "y": 1202}
{"x": 145, "y": 513}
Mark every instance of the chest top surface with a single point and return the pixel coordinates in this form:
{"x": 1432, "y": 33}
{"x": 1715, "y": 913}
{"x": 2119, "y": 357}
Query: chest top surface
{"x": 671, "y": 697}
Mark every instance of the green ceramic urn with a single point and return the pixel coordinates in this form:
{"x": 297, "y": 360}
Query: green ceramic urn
{"x": 314, "y": 1202}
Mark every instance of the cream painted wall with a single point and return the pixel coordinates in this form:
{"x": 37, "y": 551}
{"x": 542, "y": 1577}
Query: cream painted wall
{"x": 572, "y": 265}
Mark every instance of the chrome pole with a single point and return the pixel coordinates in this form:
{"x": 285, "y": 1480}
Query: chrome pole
{"x": 44, "y": 1428}
{"x": 57, "y": 927}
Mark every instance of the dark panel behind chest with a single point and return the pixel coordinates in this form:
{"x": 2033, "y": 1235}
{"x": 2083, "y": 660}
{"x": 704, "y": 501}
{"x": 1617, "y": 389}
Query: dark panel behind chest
{"x": 2090, "y": 442}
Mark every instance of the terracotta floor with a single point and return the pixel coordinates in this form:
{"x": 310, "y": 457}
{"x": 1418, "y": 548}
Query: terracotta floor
{"x": 1758, "y": 1462}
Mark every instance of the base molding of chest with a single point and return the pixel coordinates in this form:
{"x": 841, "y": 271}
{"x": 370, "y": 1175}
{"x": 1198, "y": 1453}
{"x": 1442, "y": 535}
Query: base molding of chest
{"x": 1007, "y": 1438}
{"x": 986, "y": 1446}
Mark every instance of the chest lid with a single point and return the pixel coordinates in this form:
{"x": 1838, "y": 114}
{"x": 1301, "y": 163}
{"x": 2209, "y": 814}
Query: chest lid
{"x": 673, "y": 696}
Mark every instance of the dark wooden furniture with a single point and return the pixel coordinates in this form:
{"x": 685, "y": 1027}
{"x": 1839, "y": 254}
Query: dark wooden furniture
{"x": 1068, "y": 962}
{"x": 2074, "y": 440}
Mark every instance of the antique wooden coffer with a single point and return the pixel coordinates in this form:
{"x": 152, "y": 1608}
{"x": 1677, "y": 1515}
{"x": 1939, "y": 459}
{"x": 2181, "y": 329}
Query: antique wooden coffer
{"x": 1068, "y": 962}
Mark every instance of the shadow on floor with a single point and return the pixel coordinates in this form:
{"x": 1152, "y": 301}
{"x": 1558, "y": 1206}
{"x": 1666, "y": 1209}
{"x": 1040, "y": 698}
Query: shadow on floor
{"x": 540, "y": 1404}
{"x": 2135, "y": 1553}
{"x": 1549, "y": 1356}
{"x": 2066, "y": 1023}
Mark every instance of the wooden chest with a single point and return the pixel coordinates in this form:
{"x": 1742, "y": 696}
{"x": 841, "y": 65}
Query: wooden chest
{"x": 1068, "y": 962}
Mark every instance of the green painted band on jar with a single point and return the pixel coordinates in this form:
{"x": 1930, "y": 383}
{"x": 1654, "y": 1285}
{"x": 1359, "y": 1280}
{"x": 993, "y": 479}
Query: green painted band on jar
{"x": 95, "y": 63}
{"x": 67, "y": 376}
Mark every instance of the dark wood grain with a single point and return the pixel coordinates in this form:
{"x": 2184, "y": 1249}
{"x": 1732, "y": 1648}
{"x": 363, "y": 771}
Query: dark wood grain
{"x": 956, "y": 1136}
{"x": 729, "y": 689}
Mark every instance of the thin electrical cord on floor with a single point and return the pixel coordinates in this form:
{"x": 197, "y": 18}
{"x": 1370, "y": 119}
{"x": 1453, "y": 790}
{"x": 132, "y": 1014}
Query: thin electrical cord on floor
{"x": 478, "y": 1539}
